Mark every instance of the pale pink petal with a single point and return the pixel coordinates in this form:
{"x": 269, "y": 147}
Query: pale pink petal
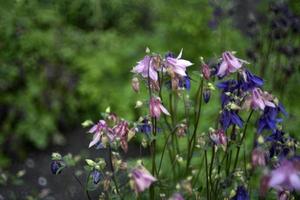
{"x": 222, "y": 69}
{"x": 277, "y": 178}
{"x": 270, "y": 104}
{"x": 164, "y": 110}
{"x": 179, "y": 71}
{"x": 153, "y": 74}
{"x": 184, "y": 63}
{"x": 93, "y": 129}
{"x": 96, "y": 139}
{"x": 295, "y": 181}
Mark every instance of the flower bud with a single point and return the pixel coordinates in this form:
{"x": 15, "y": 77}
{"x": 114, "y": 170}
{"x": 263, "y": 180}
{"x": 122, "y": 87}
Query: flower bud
{"x": 258, "y": 157}
{"x": 206, "y": 95}
{"x": 135, "y": 84}
{"x": 206, "y": 71}
{"x": 55, "y": 167}
{"x": 97, "y": 176}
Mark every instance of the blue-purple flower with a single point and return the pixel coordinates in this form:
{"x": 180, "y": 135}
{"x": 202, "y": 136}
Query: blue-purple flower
{"x": 56, "y": 166}
{"x": 97, "y": 176}
{"x": 230, "y": 117}
{"x": 250, "y": 81}
{"x": 241, "y": 194}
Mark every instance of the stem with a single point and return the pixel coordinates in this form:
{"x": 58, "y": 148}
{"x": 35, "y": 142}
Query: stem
{"x": 206, "y": 170}
{"x": 242, "y": 139}
{"x": 84, "y": 188}
{"x": 113, "y": 172}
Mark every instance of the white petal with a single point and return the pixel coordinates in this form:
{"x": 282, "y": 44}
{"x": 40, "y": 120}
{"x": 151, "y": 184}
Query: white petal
{"x": 164, "y": 110}
{"x": 180, "y": 54}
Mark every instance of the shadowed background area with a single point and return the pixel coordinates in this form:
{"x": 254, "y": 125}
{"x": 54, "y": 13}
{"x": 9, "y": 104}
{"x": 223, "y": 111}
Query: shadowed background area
{"x": 64, "y": 61}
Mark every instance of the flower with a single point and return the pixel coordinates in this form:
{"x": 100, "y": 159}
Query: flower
{"x": 230, "y": 117}
{"x": 241, "y": 194}
{"x": 145, "y": 126}
{"x": 218, "y": 137}
{"x": 121, "y": 131}
{"x": 146, "y": 67}
{"x": 97, "y": 129}
{"x": 258, "y": 99}
{"x": 229, "y": 64}
{"x": 286, "y": 176}
{"x": 269, "y": 118}
{"x": 135, "y": 84}
{"x": 176, "y": 65}
{"x": 156, "y": 108}
{"x": 250, "y": 81}
{"x": 176, "y": 196}
{"x": 181, "y": 129}
{"x": 141, "y": 179}
{"x": 258, "y": 157}
{"x": 185, "y": 82}
{"x": 97, "y": 176}
{"x": 206, "y": 71}
{"x": 206, "y": 95}
{"x": 56, "y": 167}
{"x": 228, "y": 87}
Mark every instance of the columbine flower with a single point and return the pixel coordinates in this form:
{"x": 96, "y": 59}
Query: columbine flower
{"x": 258, "y": 99}
{"x": 286, "y": 176}
{"x": 55, "y": 166}
{"x": 156, "y": 108}
{"x": 228, "y": 87}
{"x": 258, "y": 157}
{"x": 230, "y": 117}
{"x": 219, "y": 137}
{"x": 145, "y": 126}
{"x": 146, "y": 67}
{"x": 269, "y": 119}
{"x": 229, "y": 64}
{"x": 241, "y": 194}
{"x": 176, "y": 65}
{"x": 97, "y": 176}
{"x": 141, "y": 179}
{"x": 206, "y": 95}
{"x": 250, "y": 81}
{"x": 176, "y": 196}
{"x": 97, "y": 129}
{"x": 181, "y": 130}
{"x": 121, "y": 131}
{"x": 135, "y": 84}
{"x": 206, "y": 71}
{"x": 185, "y": 82}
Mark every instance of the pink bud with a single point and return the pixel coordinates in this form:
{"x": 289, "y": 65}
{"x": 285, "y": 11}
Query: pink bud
{"x": 258, "y": 157}
{"x": 206, "y": 71}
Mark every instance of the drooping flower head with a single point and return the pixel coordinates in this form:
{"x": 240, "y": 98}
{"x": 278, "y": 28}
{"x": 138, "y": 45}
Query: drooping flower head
{"x": 156, "y": 108}
{"x": 286, "y": 176}
{"x": 258, "y": 157}
{"x": 97, "y": 176}
{"x": 141, "y": 179}
{"x": 56, "y": 166}
{"x": 147, "y": 68}
{"x": 176, "y": 65}
{"x": 98, "y": 130}
{"x": 230, "y": 117}
{"x": 258, "y": 100}
{"x": 218, "y": 137}
{"x": 241, "y": 194}
{"x": 229, "y": 64}
{"x": 250, "y": 81}
{"x": 121, "y": 131}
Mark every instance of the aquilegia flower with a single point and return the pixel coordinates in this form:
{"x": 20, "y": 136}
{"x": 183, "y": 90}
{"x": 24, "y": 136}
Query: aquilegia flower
{"x": 230, "y": 117}
{"x": 177, "y": 65}
{"x": 218, "y": 137}
{"x": 146, "y": 67}
{"x": 258, "y": 99}
{"x": 286, "y": 176}
{"x": 185, "y": 82}
{"x": 258, "y": 157}
{"x": 121, "y": 131}
{"x": 250, "y": 81}
{"x": 97, "y": 129}
{"x": 241, "y": 194}
{"x": 141, "y": 179}
{"x": 229, "y": 64}
{"x": 56, "y": 166}
{"x": 97, "y": 176}
{"x": 156, "y": 108}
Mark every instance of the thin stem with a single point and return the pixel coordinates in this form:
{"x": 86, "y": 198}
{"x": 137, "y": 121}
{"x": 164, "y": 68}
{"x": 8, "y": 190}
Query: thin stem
{"x": 242, "y": 139}
{"x": 84, "y": 188}
{"x": 113, "y": 172}
{"x": 206, "y": 170}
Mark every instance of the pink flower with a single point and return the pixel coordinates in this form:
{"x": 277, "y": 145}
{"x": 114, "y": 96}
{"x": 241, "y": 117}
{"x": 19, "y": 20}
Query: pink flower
{"x": 146, "y": 67}
{"x": 258, "y": 157}
{"x": 156, "y": 108}
{"x": 97, "y": 129}
{"x": 141, "y": 179}
{"x": 229, "y": 64}
{"x": 121, "y": 131}
{"x": 286, "y": 176}
{"x": 219, "y": 137}
{"x": 259, "y": 99}
{"x": 176, "y": 196}
{"x": 177, "y": 65}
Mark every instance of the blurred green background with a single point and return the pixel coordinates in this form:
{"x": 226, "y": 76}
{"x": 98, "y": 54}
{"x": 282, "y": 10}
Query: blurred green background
{"x": 63, "y": 61}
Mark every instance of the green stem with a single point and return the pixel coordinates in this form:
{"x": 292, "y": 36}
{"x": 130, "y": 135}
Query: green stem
{"x": 113, "y": 172}
{"x": 206, "y": 170}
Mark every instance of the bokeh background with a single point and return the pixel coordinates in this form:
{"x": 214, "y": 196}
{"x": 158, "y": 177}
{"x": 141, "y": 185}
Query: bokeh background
{"x": 64, "y": 61}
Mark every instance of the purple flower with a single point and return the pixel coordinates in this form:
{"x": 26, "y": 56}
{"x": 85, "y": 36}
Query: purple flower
{"x": 250, "y": 81}
{"x": 241, "y": 194}
{"x": 97, "y": 176}
{"x": 229, "y": 64}
{"x": 258, "y": 157}
{"x": 229, "y": 86}
{"x": 206, "y": 71}
{"x": 141, "y": 179}
{"x": 185, "y": 82}
{"x": 219, "y": 137}
{"x": 156, "y": 108}
{"x": 121, "y": 131}
{"x": 258, "y": 99}
{"x": 176, "y": 196}
{"x": 206, "y": 95}
{"x": 230, "y": 117}
{"x": 269, "y": 118}
{"x": 146, "y": 67}
{"x": 177, "y": 65}
{"x": 286, "y": 176}
{"x": 145, "y": 127}
{"x": 97, "y": 129}
{"x": 55, "y": 167}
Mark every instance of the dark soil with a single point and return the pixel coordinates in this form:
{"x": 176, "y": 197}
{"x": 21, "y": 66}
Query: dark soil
{"x": 38, "y": 181}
